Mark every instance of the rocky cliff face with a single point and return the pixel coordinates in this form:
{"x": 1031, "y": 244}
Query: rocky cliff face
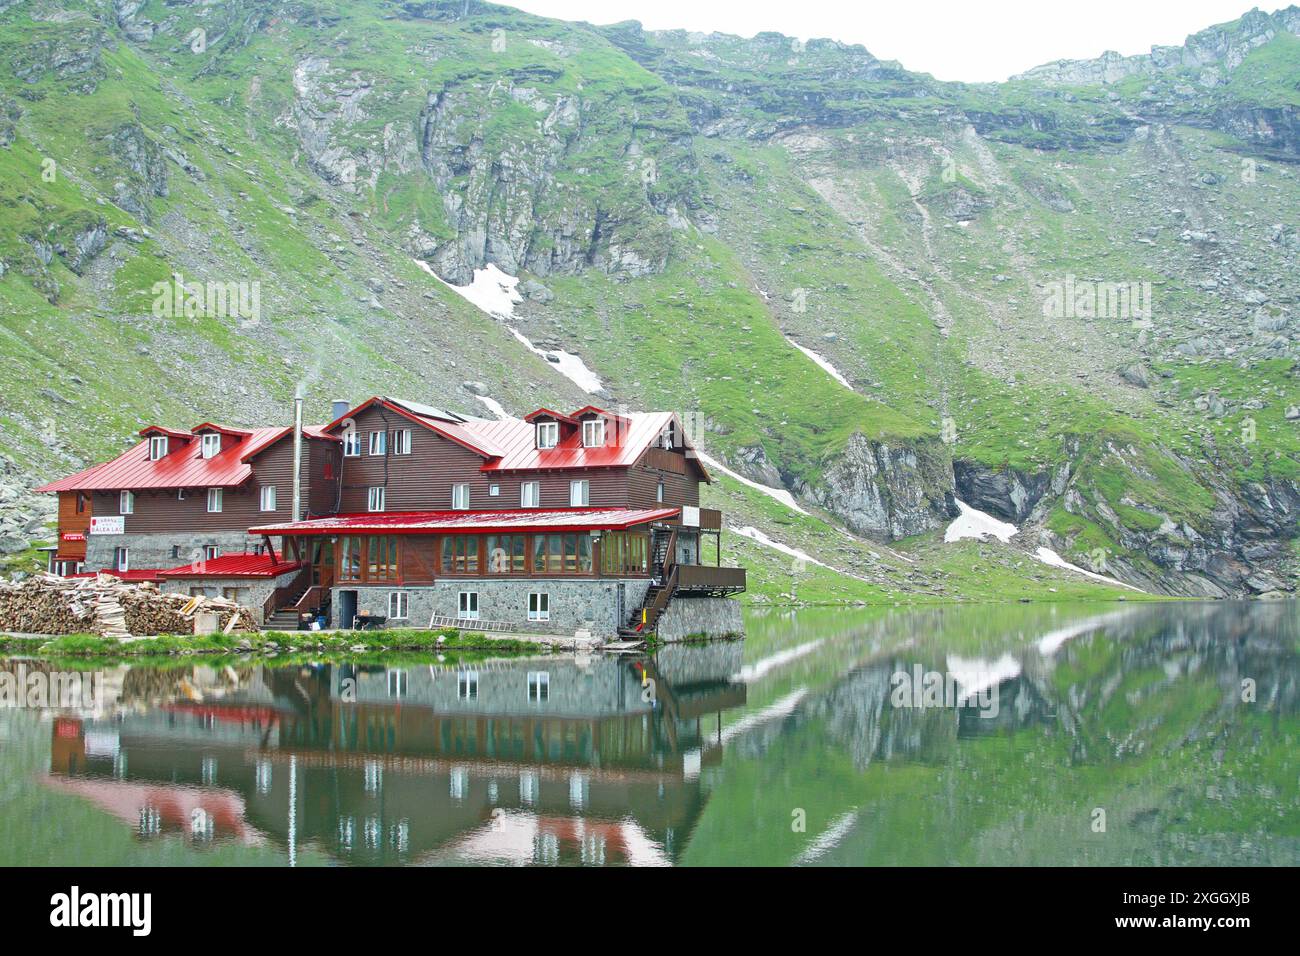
{"x": 1214, "y": 53}
{"x": 887, "y": 489}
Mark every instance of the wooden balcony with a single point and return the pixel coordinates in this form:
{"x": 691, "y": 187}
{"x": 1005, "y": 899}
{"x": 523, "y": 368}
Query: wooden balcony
{"x": 707, "y": 579}
{"x": 710, "y": 520}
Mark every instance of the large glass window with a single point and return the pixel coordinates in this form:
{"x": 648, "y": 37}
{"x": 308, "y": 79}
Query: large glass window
{"x": 562, "y": 554}
{"x": 350, "y": 558}
{"x": 460, "y": 554}
{"x": 622, "y": 552}
{"x": 382, "y": 562}
{"x": 505, "y": 554}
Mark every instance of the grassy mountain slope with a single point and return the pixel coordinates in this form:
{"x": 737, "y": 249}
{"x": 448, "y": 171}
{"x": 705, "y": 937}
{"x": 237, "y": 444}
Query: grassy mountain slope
{"x": 693, "y": 216}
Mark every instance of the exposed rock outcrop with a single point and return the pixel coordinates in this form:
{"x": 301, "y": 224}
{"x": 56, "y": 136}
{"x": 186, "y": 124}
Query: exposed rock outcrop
{"x": 887, "y": 489}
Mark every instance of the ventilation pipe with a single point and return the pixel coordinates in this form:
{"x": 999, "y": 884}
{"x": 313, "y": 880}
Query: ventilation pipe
{"x": 297, "y": 457}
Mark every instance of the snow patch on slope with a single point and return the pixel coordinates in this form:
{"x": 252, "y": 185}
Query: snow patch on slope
{"x": 494, "y": 407}
{"x": 495, "y": 292}
{"x": 567, "y": 364}
{"x": 492, "y": 290}
{"x": 822, "y": 361}
{"x": 777, "y": 494}
{"x": 1048, "y": 556}
{"x": 976, "y": 524}
{"x": 755, "y": 535}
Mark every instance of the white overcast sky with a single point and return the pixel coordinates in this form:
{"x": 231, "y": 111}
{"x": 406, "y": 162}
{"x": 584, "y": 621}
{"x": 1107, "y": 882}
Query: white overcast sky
{"x": 952, "y": 39}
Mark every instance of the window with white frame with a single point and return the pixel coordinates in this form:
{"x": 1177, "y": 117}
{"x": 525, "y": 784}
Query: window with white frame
{"x": 530, "y": 494}
{"x": 157, "y": 447}
{"x": 539, "y": 606}
{"x": 467, "y": 685}
{"x": 468, "y": 609}
{"x": 460, "y": 497}
{"x": 659, "y": 492}
{"x": 375, "y": 501}
{"x": 351, "y": 444}
{"x": 579, "y": 493}
{"x": 126, "y": 503}
{"x": 539, "y": 687}
{"x": 214, "y": 499}
{"x": 548, "y": 434}
{"x": 378, "y": 443}
{"x": 593, "y": 432}
{"x": 122, "y": 559}
{"x": 398, "y": 605}
{"x": 267, "y": 502}
{"x": 494, "y": 490}
{"x": 211, "y": 552}
{"x": 211, "y": 444}
{"x": 401, "y": 441}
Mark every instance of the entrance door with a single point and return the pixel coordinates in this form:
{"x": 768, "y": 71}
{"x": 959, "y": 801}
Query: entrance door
{"x": 347, "y": 610}
{"x": 322, "y": 563}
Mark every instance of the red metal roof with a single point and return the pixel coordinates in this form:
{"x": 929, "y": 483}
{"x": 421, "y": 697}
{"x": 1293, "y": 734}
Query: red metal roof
{"x": 451, "y": 427}
{"x": 510, "y": 444}
{"x": 626, "y": 439}
{"x": 235, "y": 566}
{"x": 182, "y": 467}
{"x": 473, "y": 522}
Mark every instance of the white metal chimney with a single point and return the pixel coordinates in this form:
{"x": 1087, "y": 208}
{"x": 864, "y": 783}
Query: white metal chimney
{"x": 297, "y": 457}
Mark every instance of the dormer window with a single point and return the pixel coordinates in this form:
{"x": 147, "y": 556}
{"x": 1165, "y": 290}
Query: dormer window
{"x": 593, "y": 433}
{"x": 157, "y": 447}
{"x": 548, "y": 434}
{"x": 211, "y": 444}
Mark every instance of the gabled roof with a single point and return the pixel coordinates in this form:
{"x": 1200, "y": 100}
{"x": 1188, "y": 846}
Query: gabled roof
{"x": 475, "y": 522}
{"x": 183, "y": 467}
{"x": 221, "y": 429}
{"x": 548, "y": 413}
{"x": 169, "y": 432}
{"x": 625, "y": 443}
{"x": 447, "y": 424}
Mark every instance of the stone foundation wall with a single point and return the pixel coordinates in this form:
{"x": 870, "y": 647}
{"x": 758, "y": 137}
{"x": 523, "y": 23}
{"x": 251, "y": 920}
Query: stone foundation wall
{"x": 574, "y": 604}
{"x": 156, "y": 550}
{"x": 700, "y": 617}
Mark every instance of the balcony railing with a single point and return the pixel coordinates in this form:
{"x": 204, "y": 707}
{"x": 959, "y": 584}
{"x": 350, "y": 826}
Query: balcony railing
{"x": 707, "y": 579}
{"x": 710, "y": 520}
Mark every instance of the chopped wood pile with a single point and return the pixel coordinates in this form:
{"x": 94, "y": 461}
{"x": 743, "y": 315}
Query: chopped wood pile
{"x": 108, "y": 606}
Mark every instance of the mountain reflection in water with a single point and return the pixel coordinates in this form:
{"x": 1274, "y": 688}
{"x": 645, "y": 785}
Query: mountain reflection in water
{"x": 1179, "y": 721}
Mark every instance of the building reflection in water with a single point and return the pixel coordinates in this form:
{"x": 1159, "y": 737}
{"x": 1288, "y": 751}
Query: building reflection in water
{"x": 553, "y": 760}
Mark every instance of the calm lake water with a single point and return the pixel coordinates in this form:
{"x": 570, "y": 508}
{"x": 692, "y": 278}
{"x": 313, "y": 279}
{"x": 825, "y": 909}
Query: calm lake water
{"x": 1107, "y": 734}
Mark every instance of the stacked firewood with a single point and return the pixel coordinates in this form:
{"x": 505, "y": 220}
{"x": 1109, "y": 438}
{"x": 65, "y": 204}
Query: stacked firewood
{"x": 106, "y": 605}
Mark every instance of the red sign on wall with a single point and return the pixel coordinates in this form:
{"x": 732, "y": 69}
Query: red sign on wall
{"x": 73, "y": 536}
